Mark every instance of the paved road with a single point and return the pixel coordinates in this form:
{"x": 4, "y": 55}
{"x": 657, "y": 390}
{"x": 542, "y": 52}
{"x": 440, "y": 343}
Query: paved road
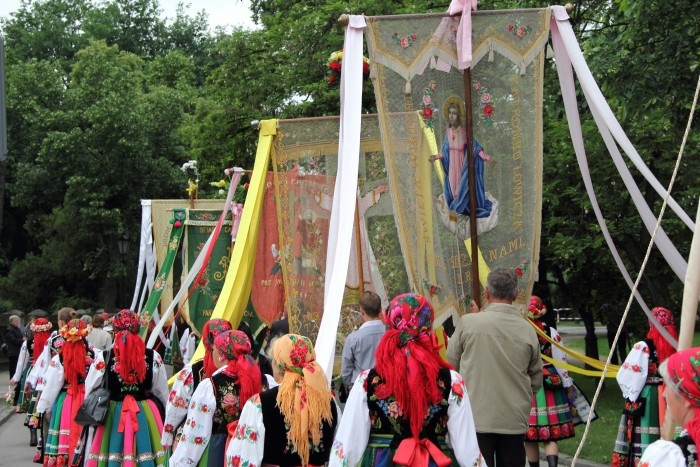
{"x": 14, "y": 436}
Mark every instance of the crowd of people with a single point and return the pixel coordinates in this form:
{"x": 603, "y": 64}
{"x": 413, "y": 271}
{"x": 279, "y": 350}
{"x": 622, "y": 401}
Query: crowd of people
{"x": 497, "y": 394}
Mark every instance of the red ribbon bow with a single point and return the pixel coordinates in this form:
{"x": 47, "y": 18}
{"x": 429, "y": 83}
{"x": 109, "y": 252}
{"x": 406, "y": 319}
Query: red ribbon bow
{"x": 129, "y": 409}
{"x": 413, "y": 452}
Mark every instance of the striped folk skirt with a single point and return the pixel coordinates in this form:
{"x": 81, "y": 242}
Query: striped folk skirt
{"x": 550, "y": 415}
{"x": 639, "y": 427}
{"x": 130, "y": 436}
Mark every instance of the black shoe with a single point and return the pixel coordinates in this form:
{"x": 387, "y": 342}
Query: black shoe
{"x": 32, "y": 437}
{"x": 552, "y": 460}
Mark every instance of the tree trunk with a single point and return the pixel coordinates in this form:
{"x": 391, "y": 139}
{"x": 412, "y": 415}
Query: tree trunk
{"x": 591, "y": 338}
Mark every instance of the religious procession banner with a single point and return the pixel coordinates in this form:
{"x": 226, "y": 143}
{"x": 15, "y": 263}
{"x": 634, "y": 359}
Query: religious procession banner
{"x": 417, "y": 85}
{"x": 305, "y": 161}
{"x": 267, "y": 293}
{"x": 200, "y": 224}
{"x": 161, "y": 215}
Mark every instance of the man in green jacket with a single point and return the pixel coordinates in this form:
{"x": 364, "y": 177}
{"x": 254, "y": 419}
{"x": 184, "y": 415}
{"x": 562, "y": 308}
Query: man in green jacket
{"x": 498, "y": 354}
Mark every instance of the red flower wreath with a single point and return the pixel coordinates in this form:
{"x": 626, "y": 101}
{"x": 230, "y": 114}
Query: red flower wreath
{"x": 335, "y": 65}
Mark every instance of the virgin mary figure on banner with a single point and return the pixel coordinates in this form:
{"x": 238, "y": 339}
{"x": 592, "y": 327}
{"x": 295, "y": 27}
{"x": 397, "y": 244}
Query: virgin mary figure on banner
{"x": 454, "y": 204}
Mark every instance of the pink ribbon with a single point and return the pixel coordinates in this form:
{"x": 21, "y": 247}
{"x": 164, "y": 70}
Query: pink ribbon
{"x": 129, "y": 410}
{"x": 464, "y": 31}
{"x": 417, "y": 453}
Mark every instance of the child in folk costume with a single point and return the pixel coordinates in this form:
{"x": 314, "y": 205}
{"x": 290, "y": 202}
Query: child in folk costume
{"x": 29, "y": 354}
{"x": 641, "y": 385}
{"x": 64, "y": 392}
{"x": 217, "y": 402}
{"x": 402, "y": 410}
{"x": 189, "y": 378}
{"x": 293, "y": 423}
{"x": 138, "y": 387}
{"x": 551, "y": 419}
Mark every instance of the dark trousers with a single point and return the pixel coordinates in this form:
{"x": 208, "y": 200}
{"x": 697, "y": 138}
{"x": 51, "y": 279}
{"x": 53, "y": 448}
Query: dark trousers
{"x": 502, "y": 450}
{"x": 13, "y": 365}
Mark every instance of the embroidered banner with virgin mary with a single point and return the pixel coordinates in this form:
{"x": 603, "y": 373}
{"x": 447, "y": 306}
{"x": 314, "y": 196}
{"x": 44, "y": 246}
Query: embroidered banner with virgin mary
{"x": 420, "y": 90}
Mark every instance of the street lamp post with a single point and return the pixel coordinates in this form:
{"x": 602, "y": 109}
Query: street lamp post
{"x": 123, "y": 245}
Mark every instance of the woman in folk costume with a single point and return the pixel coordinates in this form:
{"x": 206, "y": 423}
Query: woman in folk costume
{"x": 551, "y": 419}
{"x": 217, "y": 402}
{"x": 641, "y": 384}
{"x": 293, "y": 423}
{"x": 29, "y": 354}
{"x": 64, "y": 392}
{"x": 401, "y": 411}
{"x": 681, "y": 375}
{"x": 189, "y": 378}
{"x": 138, "y": 387}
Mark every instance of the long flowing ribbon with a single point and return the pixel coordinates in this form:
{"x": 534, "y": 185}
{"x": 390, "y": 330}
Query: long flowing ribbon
{"x": 239, "y": 278}
{"x": 585, "y": 359}
{"x": 129, "y": 410}
{"x": 159, "y": 285}
{"x": 344, "y": 194}
{"x": 575, "y": 369}
{"x": 568, "y": 56}
{"x": 464, "y": 31}
{"x": 237, "y": 172}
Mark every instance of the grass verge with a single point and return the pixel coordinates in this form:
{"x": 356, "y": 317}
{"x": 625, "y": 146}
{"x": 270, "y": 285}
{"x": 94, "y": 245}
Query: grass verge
{"x": 600, "y": 439}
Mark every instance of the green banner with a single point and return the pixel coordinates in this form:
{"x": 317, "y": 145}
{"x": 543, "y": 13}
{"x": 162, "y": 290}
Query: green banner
{"x": 200, "y": 225}
{"x": 178, "y": 226}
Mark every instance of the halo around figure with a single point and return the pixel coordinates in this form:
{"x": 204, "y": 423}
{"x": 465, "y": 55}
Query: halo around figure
{"x": 454, "y": 100}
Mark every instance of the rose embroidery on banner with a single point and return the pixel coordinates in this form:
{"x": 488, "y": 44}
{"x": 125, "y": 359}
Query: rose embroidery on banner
{"x": 519, "y": 30}
{"x": 404, "y": 41}
{"x": 486, "y": 104}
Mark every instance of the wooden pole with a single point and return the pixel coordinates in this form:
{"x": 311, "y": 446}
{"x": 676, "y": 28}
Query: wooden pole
{"x": 468, "y": 124}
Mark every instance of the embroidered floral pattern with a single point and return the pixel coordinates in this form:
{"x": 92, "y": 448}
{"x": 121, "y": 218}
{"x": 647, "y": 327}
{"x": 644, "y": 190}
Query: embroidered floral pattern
{"x": 486, "y": 104}
{"x": 404, "y": 41}
{"x": 432, "y": 289}
{"x": 428, "y": 105}
{"x": 522, "y": 268}
{"x": 339, "y": 452}
{"x": 131, "y": 383}
{"x": 246, "y": 433}
{"x": 519, "y": 30}
{"x": 229, "y": 409}
{"x": 386, "y": 416}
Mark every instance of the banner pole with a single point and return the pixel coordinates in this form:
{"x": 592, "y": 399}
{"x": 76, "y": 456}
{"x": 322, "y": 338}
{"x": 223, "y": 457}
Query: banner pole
{"x": 468, "y": 122}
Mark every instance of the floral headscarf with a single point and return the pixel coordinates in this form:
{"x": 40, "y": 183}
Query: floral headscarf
{"x": 410, "y": 314}
{"x": 56, "y": 343}
{"x": 126, "y": 320}
{"x": 210, "y": 330}
{"x": 684, "y": 372}
{"x": 664, "y": 349}
{"x": 129, "y": 348}
{"x": 235, "y": 347}
{"x": 41, "y": 329}
{"x": 74, "y": 353}
{"x": 407, "y": 358}
{"x": 303, "y": 398}
{"x": 536, "y": 309}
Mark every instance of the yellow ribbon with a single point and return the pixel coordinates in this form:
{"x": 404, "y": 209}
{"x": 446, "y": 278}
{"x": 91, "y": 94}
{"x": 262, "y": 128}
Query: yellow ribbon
{"x": 600, "y": 365}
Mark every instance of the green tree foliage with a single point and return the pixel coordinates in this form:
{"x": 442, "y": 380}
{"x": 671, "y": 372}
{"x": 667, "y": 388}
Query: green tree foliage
{"x": 106, "y": 100}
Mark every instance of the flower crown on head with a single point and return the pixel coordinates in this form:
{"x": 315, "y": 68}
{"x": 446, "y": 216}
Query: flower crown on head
{"x": 75, "y": 334}
{"x": 41, "y": 327}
